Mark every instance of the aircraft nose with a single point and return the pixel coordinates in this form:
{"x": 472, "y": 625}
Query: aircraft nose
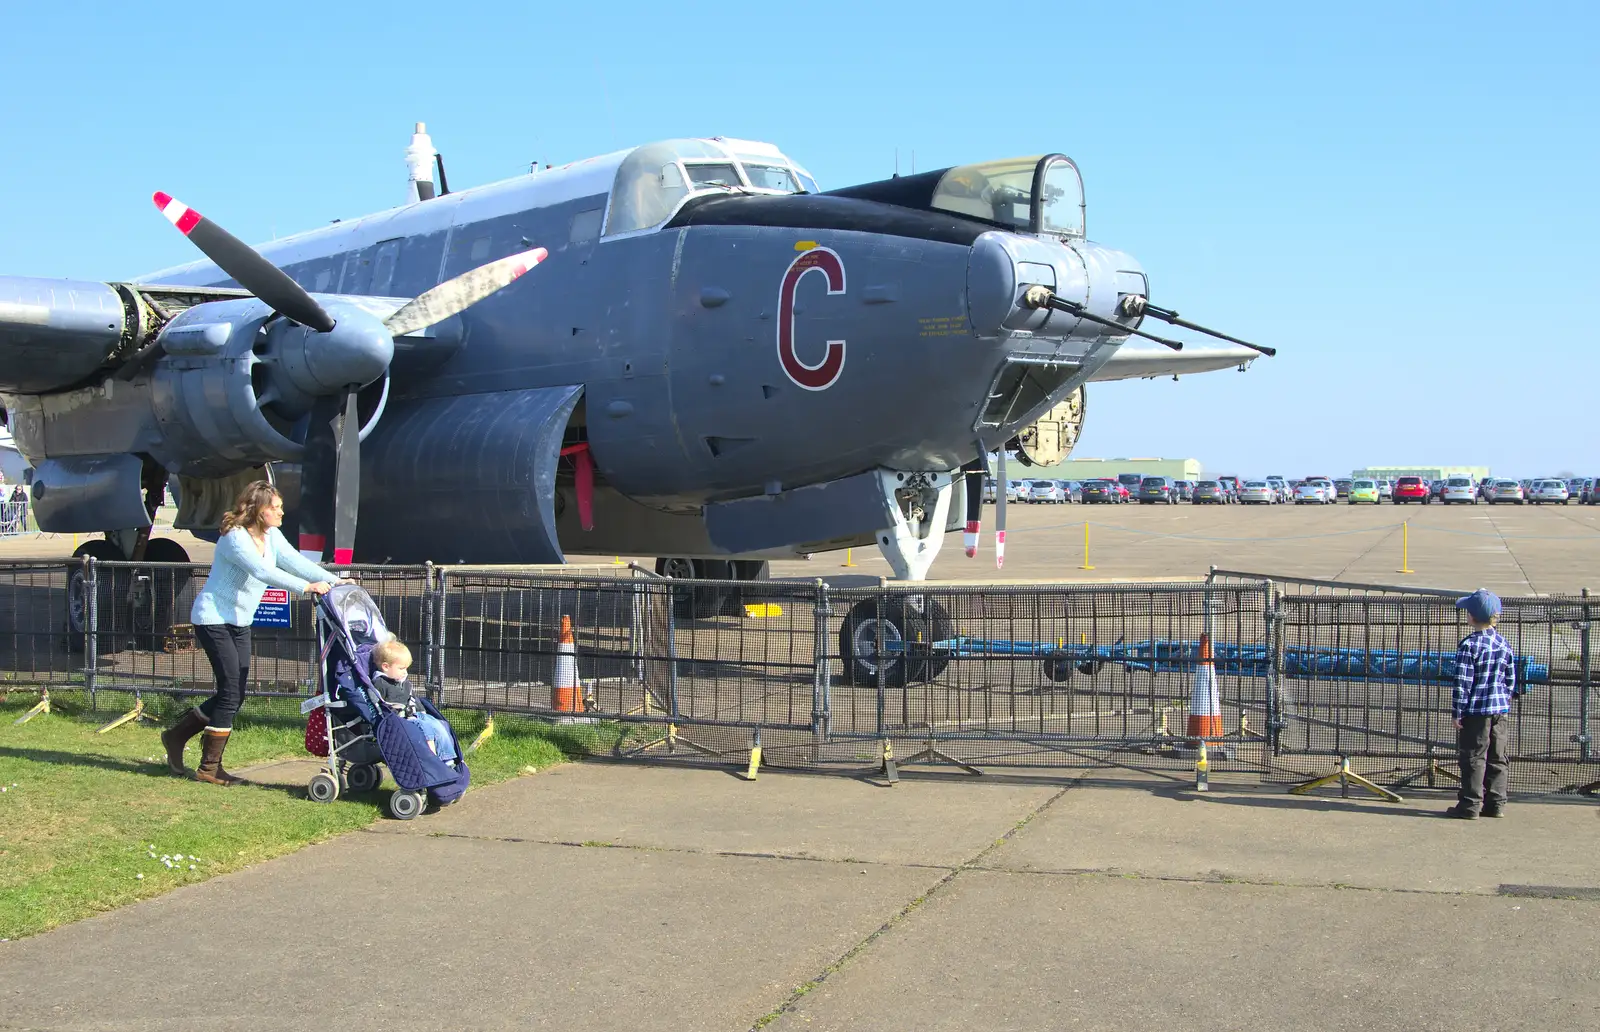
{"x": 1003, "y": 265}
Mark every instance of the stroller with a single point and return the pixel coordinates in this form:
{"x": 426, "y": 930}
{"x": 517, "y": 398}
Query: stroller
{"x": 350, "y": 725}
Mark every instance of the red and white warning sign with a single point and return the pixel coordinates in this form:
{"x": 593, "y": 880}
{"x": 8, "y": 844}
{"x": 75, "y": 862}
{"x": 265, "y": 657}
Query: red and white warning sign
{"x": 273, "y": 610}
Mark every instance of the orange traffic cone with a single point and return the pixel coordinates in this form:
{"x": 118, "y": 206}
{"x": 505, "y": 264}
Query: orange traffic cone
{"x": 1205, "y": 704}
{"x": 566, "y": 695}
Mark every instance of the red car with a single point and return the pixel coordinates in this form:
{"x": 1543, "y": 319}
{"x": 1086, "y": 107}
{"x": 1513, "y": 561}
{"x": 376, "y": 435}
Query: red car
{"x": 1412, "y": 489}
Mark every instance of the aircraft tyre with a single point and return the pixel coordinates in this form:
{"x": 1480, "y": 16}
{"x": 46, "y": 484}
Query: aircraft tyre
{"x": 906, "y": 635}
{"x": 78, "y": 591}
{"x": 699, "y": 603}
{"x": 154, "y": 595}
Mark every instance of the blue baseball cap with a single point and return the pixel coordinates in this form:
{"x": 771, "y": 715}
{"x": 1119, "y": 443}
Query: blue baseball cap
{"x": 1482, "y": 605}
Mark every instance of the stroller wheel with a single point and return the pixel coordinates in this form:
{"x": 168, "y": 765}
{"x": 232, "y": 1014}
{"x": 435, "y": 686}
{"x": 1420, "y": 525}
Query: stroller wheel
{"x": 405, "y": 805}
{"x": 362, "y": 777}
{"x": 323, "y": 788}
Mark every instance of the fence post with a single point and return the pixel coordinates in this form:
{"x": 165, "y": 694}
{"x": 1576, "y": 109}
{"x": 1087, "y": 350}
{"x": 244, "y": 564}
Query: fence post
{"x": 822, "y": 679}
{"x": 1583, "y": 737}
{"x": 1275, "y": 718}
{"x": 429, "y": 638}
{"x": 91, "y": 605}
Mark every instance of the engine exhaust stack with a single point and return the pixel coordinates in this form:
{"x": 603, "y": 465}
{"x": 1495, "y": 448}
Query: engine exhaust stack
{"x": 419, "y": 165}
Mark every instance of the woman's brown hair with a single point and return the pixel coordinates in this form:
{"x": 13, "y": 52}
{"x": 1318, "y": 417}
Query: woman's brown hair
{"x": 246, "y": 511}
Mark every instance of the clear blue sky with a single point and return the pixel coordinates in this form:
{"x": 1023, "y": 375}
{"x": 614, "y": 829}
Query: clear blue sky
{"x": 1400, "y": 196}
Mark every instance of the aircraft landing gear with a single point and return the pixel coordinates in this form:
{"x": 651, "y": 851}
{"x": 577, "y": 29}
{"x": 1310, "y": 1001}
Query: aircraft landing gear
{"x": 136, "y": 601}
{"x": 921, "y": 506}
{"x": 703, "y": 603}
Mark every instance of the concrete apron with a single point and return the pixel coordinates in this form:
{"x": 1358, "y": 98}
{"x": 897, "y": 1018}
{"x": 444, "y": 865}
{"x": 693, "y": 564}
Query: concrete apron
{"x": 616, "y": 896}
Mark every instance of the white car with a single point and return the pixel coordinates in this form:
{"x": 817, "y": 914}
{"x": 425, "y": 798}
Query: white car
{"x": 1280, "y": 487}
{"x": 1258, "y": 492}
{"x": 1024, "y": 491}
{"x": 1323, "y": 484}
{"x": 1549, "y": 491}
{"x": 1506, "y": 491}
{"x": 1047, "y": 491}
{"x": 1311, "y": 493}
{"x": 1460, "y": 489}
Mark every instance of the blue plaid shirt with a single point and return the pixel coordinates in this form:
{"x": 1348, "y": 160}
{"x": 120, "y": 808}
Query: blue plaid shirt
{"x": 1486, "y": 675}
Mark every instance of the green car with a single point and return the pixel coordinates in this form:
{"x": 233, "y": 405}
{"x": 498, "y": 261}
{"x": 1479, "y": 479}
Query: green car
{"x": 1364, "y": 491}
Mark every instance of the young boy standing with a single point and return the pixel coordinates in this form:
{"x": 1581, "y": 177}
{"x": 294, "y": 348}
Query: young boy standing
{"x": 1486, "y": 679}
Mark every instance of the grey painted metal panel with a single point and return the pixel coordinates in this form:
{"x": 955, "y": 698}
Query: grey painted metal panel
{"x": 852, "y": 506}
{"x": 87, "y": 493}
{"x": 465, "y": 480}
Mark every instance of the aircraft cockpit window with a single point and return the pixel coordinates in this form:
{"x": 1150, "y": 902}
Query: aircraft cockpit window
{"x": 809, "y": 184}
{"x": 771, "y": 177}
{"x": 1031, "y": 195}
{"x": 715, "y": 175}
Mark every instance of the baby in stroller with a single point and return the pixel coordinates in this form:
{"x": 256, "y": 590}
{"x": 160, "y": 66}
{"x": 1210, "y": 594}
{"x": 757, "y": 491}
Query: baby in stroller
{"x": 366, "y": 713}
{"x": 391, "y": 662}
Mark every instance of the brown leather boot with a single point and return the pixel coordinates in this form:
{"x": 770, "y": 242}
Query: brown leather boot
{"x": 177, "y": 736}
{"x": 212, "y": 744}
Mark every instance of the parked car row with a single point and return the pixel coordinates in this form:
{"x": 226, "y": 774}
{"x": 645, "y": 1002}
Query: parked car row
{"x": 1311, "y": 490}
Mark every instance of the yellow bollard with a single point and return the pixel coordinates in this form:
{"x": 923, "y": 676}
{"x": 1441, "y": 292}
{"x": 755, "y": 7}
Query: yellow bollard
{"x": 849, "y": 557}
{"x": 1405, "y": 548}
{"x": 1086, "y": 565}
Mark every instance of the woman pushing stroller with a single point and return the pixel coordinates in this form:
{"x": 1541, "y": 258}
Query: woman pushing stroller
{"x": 251, "y": 555}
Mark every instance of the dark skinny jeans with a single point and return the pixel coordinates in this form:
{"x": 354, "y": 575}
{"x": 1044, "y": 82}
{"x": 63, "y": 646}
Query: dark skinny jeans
{"x": 228, "y": 648}
{"x": 1485, "y": 761}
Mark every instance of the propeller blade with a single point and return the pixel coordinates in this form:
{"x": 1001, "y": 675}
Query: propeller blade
{"x": 457, "y": 295}
{"x": 974, "y": 511}
{"x": 347, "y": 489}
{"x": 1000, "y": 484}
{"x": 239, "y": 260}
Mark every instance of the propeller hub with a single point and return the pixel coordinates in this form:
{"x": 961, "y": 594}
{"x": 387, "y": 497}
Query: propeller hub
{"x": 307, "y": 365}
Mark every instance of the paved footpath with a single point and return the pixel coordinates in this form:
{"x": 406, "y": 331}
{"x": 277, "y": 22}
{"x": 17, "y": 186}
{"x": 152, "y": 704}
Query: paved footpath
{"x": 601, "y": 896}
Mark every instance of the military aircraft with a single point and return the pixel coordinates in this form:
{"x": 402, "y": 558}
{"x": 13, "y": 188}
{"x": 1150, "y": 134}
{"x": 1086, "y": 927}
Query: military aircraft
{"x": 686, "y": 349}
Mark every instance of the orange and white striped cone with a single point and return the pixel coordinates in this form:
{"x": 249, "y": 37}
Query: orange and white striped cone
{"x": 566, "y": 695}
{"x": 1205, "y": 703}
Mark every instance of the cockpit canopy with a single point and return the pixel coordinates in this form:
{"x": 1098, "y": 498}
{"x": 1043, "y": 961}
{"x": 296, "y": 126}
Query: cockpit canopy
{"x": 653, "y": 181}
{"x": 1040, "y": 194}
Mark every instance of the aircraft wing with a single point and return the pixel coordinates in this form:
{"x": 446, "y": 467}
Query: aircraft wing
{"x": 1135, "y": 363}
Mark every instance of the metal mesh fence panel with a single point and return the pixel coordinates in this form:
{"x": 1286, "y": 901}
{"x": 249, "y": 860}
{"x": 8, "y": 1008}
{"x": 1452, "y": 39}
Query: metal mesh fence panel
{"x": 1049, "y": 675}
{"x": 142, "y": 640}
{"x": 735, "y": 654}
{"x": 1370, "y": 677}
{"x": 36, "y": 647}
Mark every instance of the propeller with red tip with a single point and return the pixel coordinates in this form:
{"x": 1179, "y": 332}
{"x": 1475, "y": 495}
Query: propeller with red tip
{"x": 331, "y": 469}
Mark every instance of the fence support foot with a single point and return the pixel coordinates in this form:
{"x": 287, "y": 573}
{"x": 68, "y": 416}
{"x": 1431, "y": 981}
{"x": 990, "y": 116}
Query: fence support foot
{"x": 890, "y": 769}
{"x": 1345, "y": 778}
{"x": 1433, "y": 771}
{"x": 42, "y": 706}
{"x": 672, "y": 741}
{"x": 132, "y": 716}
{"x": 484, "y": 735}
{"x": 933, "y": 754}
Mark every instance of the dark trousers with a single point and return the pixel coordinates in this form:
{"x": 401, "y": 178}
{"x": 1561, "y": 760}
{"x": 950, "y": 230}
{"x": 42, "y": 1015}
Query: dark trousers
{"x": 228, "y": 648}
{"x": 1485, "y": 761}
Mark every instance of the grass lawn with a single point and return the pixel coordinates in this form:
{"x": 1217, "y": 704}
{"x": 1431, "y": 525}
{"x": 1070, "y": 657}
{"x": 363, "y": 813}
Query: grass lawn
{"x": 81, "y": 813}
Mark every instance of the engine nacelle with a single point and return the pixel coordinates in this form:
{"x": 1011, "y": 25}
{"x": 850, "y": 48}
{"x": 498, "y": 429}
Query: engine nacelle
{"x": 57, "y": 333}
{"x": 234, "y": 381}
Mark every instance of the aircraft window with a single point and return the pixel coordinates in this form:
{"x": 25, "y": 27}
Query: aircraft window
{"x": 770, "y": 177}
{"x": 1061, "y": 210}
{"x": 809, "y": 184}
{"x": 714, "y": 175}
{"x": 1002, "y": 192}
{"x": 585, "y": 225}
{"x": 995, "y": 191}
